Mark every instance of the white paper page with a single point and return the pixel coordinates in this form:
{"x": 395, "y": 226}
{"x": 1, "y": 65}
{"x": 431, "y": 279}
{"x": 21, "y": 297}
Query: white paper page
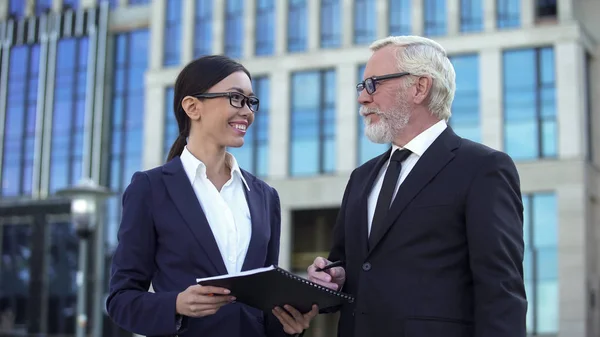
{"x": 247, "y": 272}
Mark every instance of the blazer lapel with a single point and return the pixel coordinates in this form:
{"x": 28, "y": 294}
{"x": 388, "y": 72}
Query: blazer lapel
{"x": 429, "y": 165}
{"x": 363, "y": 230}
{"x": 184, "y": 198}
{"x": 256, "y": 205}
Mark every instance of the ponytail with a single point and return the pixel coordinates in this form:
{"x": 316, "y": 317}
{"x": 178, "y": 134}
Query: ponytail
{"x": 177, "y": 147}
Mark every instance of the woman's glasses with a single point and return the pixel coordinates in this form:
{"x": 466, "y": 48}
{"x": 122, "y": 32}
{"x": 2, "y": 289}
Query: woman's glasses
{"x": 236, "y": 99}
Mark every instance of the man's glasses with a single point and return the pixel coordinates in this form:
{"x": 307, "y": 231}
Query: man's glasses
{"x": 370, "y": 84}
{"x": 236, "y": 99}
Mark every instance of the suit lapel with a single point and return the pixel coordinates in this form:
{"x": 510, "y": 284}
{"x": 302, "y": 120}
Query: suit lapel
{"x": 429, "y": 165}
{"x": 256, "y": 204}
{"x": 183, "y": 196}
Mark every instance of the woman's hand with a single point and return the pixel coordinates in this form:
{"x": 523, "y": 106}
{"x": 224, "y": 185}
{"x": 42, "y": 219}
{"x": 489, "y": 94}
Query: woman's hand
{"x": 199, "y": 301}
{"x": 297, "y": 322}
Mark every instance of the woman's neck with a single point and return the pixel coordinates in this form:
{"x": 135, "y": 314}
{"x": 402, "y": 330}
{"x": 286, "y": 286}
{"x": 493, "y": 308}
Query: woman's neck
{"x": 213, "y": 156}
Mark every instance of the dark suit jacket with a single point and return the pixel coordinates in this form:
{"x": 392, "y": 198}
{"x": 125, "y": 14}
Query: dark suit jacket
{"x": 164, "y": 238}
{"x": 448, "y": 262}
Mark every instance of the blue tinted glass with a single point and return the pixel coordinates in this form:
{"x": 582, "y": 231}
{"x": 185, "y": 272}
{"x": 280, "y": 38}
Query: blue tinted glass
{"x": 400, "y": 17}
{"x": 66, "y": 157}
{"x": 139, "y": 2}
{"x": 171, "y": 128}
{"x": 234, "y": 28}
{"x": 435, "y": 17}
{"x": 471, "y": 15}
{"x": 72, "y": 3}
{"x": 366, "y": 148}
{"x": 265, "y": 28}
{"x": 530, "y": 103}
{"x": 253, "y": 156}
{"x": 465, "y": 118}
{"x": 172, "y": 38}
{"x": 203, "y": 28}
{"x": 541, "y": 261}
{"x": 297, "y": 26}
{"x": 365, "y": 23}
{"x": 17, "y": 7}
{"x": 127, "y": 116}
{"x": 508, "y": 13}
{"x": 19, "y": 128}
{"x": 42, "y": 6}
{"x": 331, "y": 36}
{"x": 313, "y": 123}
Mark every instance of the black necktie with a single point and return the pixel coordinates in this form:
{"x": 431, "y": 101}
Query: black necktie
{"x": 384, "y": 201}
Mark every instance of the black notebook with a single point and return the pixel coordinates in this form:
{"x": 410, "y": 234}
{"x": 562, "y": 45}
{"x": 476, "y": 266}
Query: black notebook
{"x": 266, "y": 288}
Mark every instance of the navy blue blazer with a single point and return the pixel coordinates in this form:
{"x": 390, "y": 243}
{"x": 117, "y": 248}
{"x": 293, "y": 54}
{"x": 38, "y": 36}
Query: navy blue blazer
{"x": 165, "y": 239}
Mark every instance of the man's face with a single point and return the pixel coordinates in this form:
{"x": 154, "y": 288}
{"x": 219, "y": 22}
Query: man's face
{"x": 386, "y": 112}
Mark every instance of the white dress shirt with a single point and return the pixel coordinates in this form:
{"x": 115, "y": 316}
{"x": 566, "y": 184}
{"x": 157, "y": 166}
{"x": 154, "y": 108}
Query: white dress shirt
{"x": 227, "y": 211}
{"x": 417, "y": 146}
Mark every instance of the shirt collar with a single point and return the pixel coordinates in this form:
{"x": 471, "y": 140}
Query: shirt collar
{"x": 193, "y": 167}
{"x": 423, "y": 141}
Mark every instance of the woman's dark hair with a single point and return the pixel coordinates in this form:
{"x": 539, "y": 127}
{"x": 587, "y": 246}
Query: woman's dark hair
{"x": 196, "y": 78}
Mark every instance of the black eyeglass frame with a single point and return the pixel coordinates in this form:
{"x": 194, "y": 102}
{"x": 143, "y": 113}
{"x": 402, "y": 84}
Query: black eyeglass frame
{"x": 373, "y": 80}
{"x": 245, "y": 100}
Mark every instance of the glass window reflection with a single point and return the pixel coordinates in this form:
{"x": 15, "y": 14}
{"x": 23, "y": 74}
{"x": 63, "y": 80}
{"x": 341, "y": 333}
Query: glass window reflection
{"x": 365, "y": 21}
{"x": 471, "y": 16}
{"x": 540, "y": 225}
{"x": 203, "y": 21}
{"x": 508, "y": 14}
{"x": 234, "y": 28}
{"x": 530, "y": 129}
{"x": 465, "y": 118}
{"x": 172, "y": 38}
{"x": 265, "y": 28}
{"x": 171, "y": 128}
{"x": 313, "y": 123}
{"x": 331, "y": 36}
{"x": 19, "y": 127}
{"x": 435, "y": 17}
{"x": 297, "y": 26}
{"x": 400, "y": 17}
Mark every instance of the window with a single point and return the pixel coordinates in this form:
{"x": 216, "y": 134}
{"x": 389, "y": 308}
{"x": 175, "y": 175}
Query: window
{"x": 74, "y": 4}
{"x": 234, "y": 28}
{"x": 540, "y": 265}
{"x": 66, "y": 157}
{"x": 313, "y": 122}
{"x": 171, "y": 127}
{"x": 529, "y": 103}
{"x": 508, "y": 13}
{"x": 465, "y": 118}
{"x": 42, "y": 6}
{"x": 138, "y": 2}
{"x": 297, "y": 27}
{"x": 254, "y": 154}
{"x": 367, "y": 149}
{"x": 546, "y": 9}
{"x": 127, "y": 118}
{"x": 400, "y": 13}
{"x": 265, "y": 28}
{"x": 365, "y": 22}
{"x": 16, "y": 8}
{"x": 172, "y": 51}
{"x": 203, "y": 28}
{"x": 471, "y": 16}
{"x": 331, "y": 36}
{"x": 19, "y": 128}
{"x": 435, "y": 17}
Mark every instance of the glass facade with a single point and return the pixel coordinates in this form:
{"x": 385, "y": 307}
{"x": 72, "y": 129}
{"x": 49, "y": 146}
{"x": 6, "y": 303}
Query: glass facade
{"x": 297, "y": 27}
{"x": 234, "y": 28}
{"x": 265, "y": 28}
{"x": 471, "y": 16}
{"x": 330, "y": 35}
{"x": 400, "y": 17}
{"x": 436, "y": 17}
{"x": 171, "y": 128}
{"x": 173, "y": 31}
{"x": 203, "y": 28}
{"x": 508, "y": 14}
{"x": 465, "y": 120}
{"x": 365, "y": 21}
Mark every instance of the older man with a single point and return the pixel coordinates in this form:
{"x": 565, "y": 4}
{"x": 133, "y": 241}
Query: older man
{"x": 430, "y": 232}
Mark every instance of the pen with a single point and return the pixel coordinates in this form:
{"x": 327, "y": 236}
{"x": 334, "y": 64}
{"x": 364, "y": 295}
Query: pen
{"x": 331, "y": 265}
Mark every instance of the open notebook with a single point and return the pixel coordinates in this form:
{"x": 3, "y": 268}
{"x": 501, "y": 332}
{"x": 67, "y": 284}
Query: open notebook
{"x": 268, "y": 287}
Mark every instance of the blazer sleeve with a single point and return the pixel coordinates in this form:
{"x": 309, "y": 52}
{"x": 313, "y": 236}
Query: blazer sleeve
{"x": 129, "y": 303}
{"x": 494, "y": 227}
{"x": 273, "y": 327}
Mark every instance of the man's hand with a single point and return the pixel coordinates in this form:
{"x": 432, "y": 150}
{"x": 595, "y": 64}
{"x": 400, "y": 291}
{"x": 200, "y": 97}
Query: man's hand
{"x": 199, "y": 301}
{"x": 333, "y": 278}
{"x": 296, "y": 322}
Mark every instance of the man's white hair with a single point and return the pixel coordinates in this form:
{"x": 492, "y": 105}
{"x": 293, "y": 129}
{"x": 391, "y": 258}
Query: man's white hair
{"x": 421, "y": 56}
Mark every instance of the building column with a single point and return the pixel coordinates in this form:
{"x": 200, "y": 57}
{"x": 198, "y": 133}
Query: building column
{"x": 417, "y": 17}
{"x": 347, "y": 19}
{"x": 565, "y": 10}
{"x": 281, "y": 8}
{"x": 154, "y": 125}
{"x": 279, "y": 126}
{"x": 453, "y": 17}
{"x": 188, "y": 15}
{"x": 346, "y": 118}
{"x": 313, "y": 21}
{"x": 489, "y": 16}
{"x": 218, "y": 27}
{"x": 157, "y": 31}
{"x": 527, "y": 13}
{"x": 572, "y": 293}
{"x": 490, "y": 98}
{"x": 383, "y": 18}
{"x": 285, "y": 245}
{"x": 570, "y": 100}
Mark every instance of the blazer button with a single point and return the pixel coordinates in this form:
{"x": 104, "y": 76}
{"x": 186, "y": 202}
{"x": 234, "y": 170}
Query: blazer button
{"x": 366, "y": 266}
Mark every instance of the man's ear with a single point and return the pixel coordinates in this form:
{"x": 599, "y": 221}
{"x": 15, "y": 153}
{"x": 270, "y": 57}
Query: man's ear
{"x": 422, "y": 89}
{"x": 192, "y": 107}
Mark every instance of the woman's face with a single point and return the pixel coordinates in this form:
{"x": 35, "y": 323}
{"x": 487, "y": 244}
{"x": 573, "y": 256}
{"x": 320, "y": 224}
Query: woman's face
{"x": 226, "y": 119}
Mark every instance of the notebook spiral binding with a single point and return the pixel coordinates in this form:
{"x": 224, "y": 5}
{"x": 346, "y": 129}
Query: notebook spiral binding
{"x": 318, "y": 286}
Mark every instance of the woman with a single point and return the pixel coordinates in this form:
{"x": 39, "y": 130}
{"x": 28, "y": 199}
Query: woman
{"x": 199, "y": 215}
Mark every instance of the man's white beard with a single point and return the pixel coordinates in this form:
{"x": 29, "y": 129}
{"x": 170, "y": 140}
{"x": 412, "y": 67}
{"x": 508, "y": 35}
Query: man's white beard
{"x": 390, "y": 124}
